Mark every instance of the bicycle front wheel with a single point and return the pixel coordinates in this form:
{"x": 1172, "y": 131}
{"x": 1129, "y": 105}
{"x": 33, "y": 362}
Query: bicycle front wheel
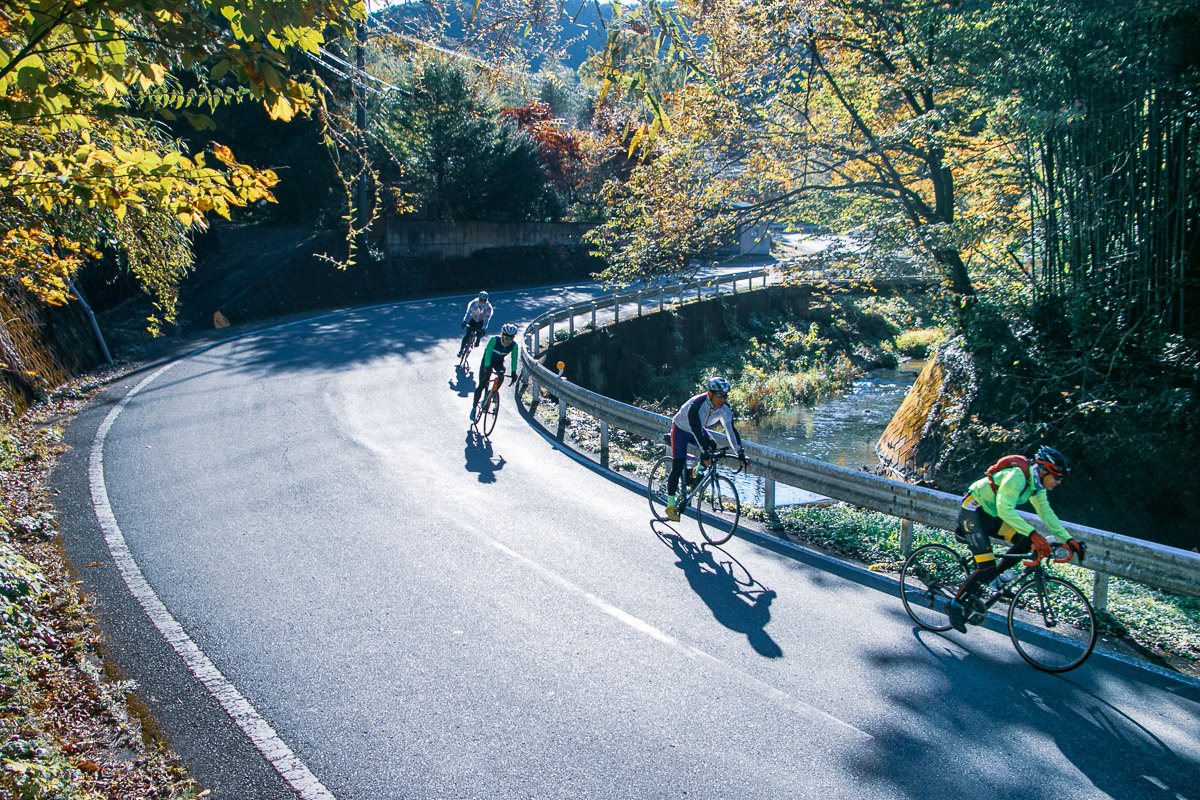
{"x": 656, "y": 488}
{"x": 1052, "y": 625}
{"x": 489, "y": 413}
{"x": 930, "y": 579}
{"x": 718, "y": 510}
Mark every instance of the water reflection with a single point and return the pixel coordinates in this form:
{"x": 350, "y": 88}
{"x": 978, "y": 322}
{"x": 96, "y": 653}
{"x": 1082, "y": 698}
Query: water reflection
{"x": 840, "y": 430}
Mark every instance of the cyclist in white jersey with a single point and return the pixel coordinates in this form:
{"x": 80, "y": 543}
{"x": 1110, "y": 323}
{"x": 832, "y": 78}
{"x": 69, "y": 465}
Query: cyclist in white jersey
{"x": 475, "y": 322}
{"x": 691, "y": 425}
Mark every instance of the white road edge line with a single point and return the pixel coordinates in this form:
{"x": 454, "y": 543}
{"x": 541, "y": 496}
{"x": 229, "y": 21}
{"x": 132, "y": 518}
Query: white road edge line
{"x": 763, "y": 689}
{"x": 259, "y": 731}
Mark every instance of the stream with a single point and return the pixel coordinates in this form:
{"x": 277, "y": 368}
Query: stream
{"x": 839, "y": 430}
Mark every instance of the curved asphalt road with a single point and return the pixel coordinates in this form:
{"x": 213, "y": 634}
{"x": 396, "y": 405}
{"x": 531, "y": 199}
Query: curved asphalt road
{"x": 406, "y": 611}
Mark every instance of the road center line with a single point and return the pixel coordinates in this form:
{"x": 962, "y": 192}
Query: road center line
{"x": 761, "y": 688}
{"x": 259, "y": 731}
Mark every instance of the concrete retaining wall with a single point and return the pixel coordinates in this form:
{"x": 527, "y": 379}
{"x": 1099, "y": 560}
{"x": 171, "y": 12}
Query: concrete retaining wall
{"x": 414, "y": 238}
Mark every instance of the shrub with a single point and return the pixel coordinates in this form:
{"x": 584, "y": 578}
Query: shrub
{"x": 919, "y": 343}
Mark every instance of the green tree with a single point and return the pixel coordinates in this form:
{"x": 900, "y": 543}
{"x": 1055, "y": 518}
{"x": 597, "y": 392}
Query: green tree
{"x": 451, "y": 152}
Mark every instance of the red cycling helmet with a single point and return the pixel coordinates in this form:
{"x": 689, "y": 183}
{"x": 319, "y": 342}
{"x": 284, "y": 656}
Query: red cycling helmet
{"x": 1052, "y": 461}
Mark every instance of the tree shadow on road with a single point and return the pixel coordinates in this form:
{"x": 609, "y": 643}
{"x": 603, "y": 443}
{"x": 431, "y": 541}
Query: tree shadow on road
{"x": 406, "y": 332}
{"x": 737, "y": 600}
{"x": 1062, "y": 735}
{"x": 480, "y": 458}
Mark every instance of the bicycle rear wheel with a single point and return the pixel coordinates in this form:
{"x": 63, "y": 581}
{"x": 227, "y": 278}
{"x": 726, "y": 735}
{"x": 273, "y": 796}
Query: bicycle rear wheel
{"x": 656, "y": 488}
{"x": 930, "y": 579}
{"x": 465, "y": 358}
{"x": 1053, "y": 628}
{"x": 718, "y": 503}
{"x": 489, "y": 412}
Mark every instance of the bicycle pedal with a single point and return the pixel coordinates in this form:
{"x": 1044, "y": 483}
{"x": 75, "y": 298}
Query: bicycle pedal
{"x": 976, "y": 610}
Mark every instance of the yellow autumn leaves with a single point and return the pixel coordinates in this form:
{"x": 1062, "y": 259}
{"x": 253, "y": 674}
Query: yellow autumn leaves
{"x": 85, "y": 163}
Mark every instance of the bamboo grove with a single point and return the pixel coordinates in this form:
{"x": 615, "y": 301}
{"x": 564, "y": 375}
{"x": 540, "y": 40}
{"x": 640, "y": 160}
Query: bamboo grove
{"x": 1118, "y": 199}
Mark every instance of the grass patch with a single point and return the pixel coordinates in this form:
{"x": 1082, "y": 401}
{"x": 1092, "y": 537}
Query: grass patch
{"x": 919, "y": 343}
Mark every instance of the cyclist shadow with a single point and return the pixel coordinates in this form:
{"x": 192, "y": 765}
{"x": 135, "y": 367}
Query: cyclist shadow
{"x": 737, "y": 600}
{"x": 480, "y": 459}
{"x": 464, "y": 381}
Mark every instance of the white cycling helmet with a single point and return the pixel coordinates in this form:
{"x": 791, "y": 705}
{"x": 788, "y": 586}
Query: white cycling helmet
{"x": 508, "y": 329}
{"x": 483, "y": 296}
{"x": 718, "y": 385}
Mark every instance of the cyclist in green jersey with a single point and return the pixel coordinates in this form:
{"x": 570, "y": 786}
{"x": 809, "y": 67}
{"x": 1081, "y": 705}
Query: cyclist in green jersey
{"x": 989, "y": 509}
{"x": 492, "y": 363}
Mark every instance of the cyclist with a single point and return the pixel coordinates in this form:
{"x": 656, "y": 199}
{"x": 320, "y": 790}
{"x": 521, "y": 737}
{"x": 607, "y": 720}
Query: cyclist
{"x": 475, "y": 322}
{"x": 493, "y": 361}
{"x": 691, "y": 425}
{"x": 989, "y": 509}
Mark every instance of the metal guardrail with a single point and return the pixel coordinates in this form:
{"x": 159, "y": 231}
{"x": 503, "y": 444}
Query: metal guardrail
{"x": 652, "y": 297}
{"x": 1109, "y": 553}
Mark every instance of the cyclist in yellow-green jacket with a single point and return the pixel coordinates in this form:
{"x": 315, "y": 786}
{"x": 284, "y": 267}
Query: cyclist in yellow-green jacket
{"x": 990, "y": 510}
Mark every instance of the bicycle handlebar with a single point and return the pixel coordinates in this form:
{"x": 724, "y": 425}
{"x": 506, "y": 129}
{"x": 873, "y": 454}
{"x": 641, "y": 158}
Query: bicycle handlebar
{"x": 724, "y": 453}
{"x": 1057, "y": 546}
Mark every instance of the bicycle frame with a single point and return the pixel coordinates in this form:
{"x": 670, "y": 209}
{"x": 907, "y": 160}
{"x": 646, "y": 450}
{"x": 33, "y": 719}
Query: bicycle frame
{"x": 488, "y": 407}
{"x": 1050, "y": 620}
{"x": 706, "y": 477}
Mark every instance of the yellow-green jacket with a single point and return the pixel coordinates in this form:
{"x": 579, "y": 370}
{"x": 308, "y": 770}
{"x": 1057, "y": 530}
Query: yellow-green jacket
{"x": 1013, "y": 490}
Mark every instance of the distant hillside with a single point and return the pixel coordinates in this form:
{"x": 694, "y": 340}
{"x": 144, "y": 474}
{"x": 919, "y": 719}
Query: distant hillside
{"x": 582, "y": 27}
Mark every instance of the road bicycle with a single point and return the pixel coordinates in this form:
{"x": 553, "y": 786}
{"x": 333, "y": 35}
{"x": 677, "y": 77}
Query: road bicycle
{"x": 718, "y": 508}
{"x": 489, "y": 407}
{"x": 470, "y": 340}
{"x": 1050, "y": 621}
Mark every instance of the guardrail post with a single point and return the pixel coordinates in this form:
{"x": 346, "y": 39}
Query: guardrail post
{"x": 639, "y": 302}
{"x": 906, "y": 537}
{"x": 616, "y": 308}
{"x": 593, "y": 315}
{"x": 551, "y": 342}
{"x": 1100, "y": 591}
{"x": 571, "y": 323}
{"x": 769, "y": 496}
{"x": 603, "y": 444}
{"x": 734, "y": 286}
{"x": 662, "y": 299}
{"x": 537, "y": 340}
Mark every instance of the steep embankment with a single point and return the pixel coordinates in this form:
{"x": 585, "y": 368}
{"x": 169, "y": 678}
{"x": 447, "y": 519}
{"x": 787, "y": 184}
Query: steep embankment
{"x": 1130, "y": 475}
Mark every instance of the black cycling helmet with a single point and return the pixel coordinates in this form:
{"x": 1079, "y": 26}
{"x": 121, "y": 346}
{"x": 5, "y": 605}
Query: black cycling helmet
{"x": 1052, "y": 461}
